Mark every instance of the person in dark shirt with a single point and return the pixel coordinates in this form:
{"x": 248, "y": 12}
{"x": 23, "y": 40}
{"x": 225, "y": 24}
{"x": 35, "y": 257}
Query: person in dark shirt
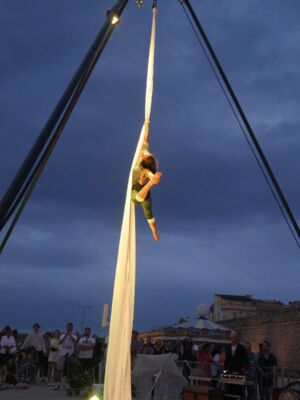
{"x": 97, "y": 357}
{"x": 148, "y": 348}
{"x": 266, "y": 366}
{"x": 188, "y": 356}
{"x": 159, "y": 348}
{"x": 236, "y": 361}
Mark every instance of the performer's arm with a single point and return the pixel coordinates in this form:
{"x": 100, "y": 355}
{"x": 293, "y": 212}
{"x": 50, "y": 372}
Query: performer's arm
{"x": 145, "y": 148}
{"x": 147, "y": 127}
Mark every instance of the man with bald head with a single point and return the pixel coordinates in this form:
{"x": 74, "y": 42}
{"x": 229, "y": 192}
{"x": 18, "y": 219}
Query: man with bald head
{"x": 236, "y": 361}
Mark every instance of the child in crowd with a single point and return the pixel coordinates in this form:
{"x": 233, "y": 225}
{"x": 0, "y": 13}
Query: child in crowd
{"x": 28, "y": 367}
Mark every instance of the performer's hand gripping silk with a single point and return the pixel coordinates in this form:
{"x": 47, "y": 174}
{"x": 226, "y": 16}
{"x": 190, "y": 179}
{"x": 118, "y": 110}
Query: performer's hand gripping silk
{"x": 145, "y": 177}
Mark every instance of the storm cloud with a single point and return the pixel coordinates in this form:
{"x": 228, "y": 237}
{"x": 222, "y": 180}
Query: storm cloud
{"x": 221, "y": 230}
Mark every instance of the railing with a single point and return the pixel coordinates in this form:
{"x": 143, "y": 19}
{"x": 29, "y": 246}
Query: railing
{"x": 258, "y": 383}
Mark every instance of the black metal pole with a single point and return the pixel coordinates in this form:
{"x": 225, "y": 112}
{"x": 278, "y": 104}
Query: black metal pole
{"x": 32, "y": 157}
{"x": 28, "y": 188}
{"x": 244, "y": 119}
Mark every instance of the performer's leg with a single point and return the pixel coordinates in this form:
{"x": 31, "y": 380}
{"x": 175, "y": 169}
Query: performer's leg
{"x": 147, "y": 208}
{"x": 143, "y": 193}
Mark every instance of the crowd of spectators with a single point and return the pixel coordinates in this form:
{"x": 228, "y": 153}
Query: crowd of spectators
{"x": 51, "y": 358}
{"x": 73, "y": 358}
{"x": 211, "y": 360}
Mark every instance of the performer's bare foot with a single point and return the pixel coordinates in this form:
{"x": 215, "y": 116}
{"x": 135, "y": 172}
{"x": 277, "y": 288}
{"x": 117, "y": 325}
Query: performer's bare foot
{"x": 154, "y": 230}
{"x": 156, "y": 236}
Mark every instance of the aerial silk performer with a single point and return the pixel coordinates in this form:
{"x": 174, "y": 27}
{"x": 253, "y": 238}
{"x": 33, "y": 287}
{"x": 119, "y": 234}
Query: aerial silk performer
{"x": 117, "y": 383}
{"x": 145, "y": 177}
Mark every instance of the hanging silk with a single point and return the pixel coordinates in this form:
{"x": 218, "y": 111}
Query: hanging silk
{"x": 117, "y": 384}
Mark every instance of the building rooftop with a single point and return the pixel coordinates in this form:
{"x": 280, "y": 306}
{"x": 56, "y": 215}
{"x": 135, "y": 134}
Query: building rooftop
{"x": 246, "y": 297}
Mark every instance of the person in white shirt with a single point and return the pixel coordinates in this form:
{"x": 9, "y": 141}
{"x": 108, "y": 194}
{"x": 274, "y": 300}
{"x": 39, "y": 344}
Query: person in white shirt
{"x": 53, "y": 357}
{"x": 67, "y": 343}
{"x": 7, "y": 346}
{"x": 86, "y": 347}
{"x": 35, "y": 340}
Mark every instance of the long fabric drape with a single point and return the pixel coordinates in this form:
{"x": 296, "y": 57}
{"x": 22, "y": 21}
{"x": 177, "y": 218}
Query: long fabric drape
{"x": 117, "y": 384}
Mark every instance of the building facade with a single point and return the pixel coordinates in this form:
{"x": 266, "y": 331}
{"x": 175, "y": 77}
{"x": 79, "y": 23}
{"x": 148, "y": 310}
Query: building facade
{"x": 280, "y": 328}
{"x": 228, "y": 307}
{"x": 198, "y": 335}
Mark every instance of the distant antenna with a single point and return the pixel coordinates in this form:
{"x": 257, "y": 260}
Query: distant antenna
{"x": 83, "y": 310}
{"x": 104, "y": 322}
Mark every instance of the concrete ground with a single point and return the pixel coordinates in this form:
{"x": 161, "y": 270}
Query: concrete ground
{"x": 36, "y": 392}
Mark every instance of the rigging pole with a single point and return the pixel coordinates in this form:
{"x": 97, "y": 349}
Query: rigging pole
{"x": 12, "y": 196}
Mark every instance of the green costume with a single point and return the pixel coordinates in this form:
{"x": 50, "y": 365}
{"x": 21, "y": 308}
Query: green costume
{"x": 137, "y": 187}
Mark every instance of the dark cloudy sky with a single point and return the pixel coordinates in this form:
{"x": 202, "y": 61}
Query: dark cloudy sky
{"x": 221, "y": 230}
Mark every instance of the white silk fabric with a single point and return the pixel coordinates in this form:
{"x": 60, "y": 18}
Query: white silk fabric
{"x": 117, "y": 384}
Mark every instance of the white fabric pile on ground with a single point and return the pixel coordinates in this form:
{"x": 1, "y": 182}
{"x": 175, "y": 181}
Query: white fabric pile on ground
{"x": 169, "y": 383}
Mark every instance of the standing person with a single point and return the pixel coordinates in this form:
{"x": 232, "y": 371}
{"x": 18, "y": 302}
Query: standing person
{"x": 86, "y": 347}
{"x": 217, "y": 365}
{"x": 47, "y": 337}
{"x": 134, "y": 348}
{"x": 205, "y": 359}
{"x": 28, "y": 366}
{"x": 36, "y": 340}
{"x": 223, "y": 355}
{"x": 188, "y": 356}
{"x": 188, "y": 353}
{"x": 255, "y": 363}
{"x": 7, "y": 347}
{"x": 257, "y": 355}
{"x": 53, "y": 357}
{"x": 249, "y": 353}
{"x": 250, "y": 372}
{"x": 67, "y": 343}
{"x": 251, "y": 356}
{"x": 236, "y": 361}
{"x": 178, "y": 349}
{"x": 169, "y": 347}
{"x": 148, "y": 348}
{"x": 17, "y": 338}
{"x": 97, "y": 357}
{"x": 266, "y": 365}
{"x": 159, "y": 348}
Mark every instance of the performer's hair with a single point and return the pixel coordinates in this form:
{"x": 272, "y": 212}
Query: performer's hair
{"x": 149, "y": 162}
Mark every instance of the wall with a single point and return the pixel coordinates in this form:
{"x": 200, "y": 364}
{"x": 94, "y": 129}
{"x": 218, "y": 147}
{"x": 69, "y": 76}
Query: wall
{"x": 280, "y": 328}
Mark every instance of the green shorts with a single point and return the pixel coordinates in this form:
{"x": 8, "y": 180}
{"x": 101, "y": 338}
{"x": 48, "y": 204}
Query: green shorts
{"x": 146, "y": 205}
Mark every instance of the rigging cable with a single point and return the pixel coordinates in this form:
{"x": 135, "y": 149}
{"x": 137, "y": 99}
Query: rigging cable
{"x": 295, "y": 231}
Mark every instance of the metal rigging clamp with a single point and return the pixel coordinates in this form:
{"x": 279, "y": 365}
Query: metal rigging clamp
{"x": 140, "y": 3}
